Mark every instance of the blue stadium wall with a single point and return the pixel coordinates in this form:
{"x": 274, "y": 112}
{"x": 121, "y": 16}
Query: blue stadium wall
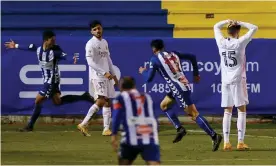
{"x": 129, "y": 28}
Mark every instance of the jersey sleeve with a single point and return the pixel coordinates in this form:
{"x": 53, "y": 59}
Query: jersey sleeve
{"x": 110, "y": 63}
{"x": 217, "y": 31}
{"x": 245, "y": 39}
{"x": 90, "y": 58}
{"x": 150, "y": 73}
{"x": 28, "y": 47}
{"x": 118, "y": 114}
{"x": 58, "y": 52}
{"x": 190, "y": 57}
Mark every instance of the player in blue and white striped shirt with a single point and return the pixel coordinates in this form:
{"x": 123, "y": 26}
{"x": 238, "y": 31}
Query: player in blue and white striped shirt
{"x": 168, "y": 64}
{"x": 48, "y": 55}
{"x": 134, "y": 111}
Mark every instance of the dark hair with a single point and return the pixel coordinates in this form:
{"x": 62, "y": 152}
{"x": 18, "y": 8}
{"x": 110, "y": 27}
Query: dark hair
{"x": 48, "y": 34}
{"x": 94, "y": 23}
{"x": 127, "y": 83}
{"x": 231, "y": 29}
{"x": 157, "y": 44}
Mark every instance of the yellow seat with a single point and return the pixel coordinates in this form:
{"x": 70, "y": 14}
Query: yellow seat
{"x": 190, "y": 19}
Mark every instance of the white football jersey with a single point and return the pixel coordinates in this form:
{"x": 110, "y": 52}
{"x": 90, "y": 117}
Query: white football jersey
{"x": 232, "y": 52}
{"x": 98, "y": 58}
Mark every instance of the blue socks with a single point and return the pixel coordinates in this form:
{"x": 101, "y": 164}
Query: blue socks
{"x": 173, "y": 118}
{"x": 36, "y": 113}
{"x": 202, "y": 123}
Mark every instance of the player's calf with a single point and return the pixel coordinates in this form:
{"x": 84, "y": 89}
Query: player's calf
{"x": 241, "y": 126}
{"x": 107, "y": 118}
{"x": 226, "y": 126}
{"x": 36, "y": 112}
{"x": 165, "y": 106}
{"x": 203, "y": 124}
{"x": 100, "y": 102}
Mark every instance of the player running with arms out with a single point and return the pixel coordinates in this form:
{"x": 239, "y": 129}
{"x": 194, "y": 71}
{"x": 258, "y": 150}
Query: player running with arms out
{"x": 49, "y": 55}
{"x": 134, "y": 111}
{"x": 168, "y": 101}
{"x": 103, "y": 74}
{"x": 233, "y": 76}
{"x": 168, "y": 64}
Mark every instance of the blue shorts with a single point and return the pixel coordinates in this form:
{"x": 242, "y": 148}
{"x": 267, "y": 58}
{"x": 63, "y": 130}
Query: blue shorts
{"x": 148, "y": 152}
{"x": 183, "y": 99}
{"x": 49, "y": 90}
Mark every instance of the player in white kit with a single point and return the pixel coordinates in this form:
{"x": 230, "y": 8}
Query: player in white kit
{"x": 103, "y": 74}
{"x": 233, "y": 76}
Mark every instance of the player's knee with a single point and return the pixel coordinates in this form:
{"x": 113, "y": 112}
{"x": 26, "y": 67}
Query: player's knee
{"x": 39, "y": 99}
{"x": 101, "y": 101}
{"x": 242, "y": 108}
{"x": 228, "y": 109}
{"x": 163, "y": 106}
{"x": 192, "y": 111}
{"x": 107, "y": 102}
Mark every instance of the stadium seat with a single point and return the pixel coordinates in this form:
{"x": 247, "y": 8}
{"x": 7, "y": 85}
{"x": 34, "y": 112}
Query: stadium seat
{"x": 141, "y": 19}
{"x": 191, "y": 22}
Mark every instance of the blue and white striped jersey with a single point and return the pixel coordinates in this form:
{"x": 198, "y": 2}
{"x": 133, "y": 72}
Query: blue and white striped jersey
{"x": 135, "y": 112}
{"x": 168, "y": 64}
{"x": 48, "y": 61}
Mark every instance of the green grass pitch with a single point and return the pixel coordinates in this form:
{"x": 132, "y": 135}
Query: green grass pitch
{"x": 64, "y": 145}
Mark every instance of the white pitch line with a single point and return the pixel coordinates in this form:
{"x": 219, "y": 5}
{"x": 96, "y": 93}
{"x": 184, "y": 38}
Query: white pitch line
{"x": 192, "y": 131}
{"x": 253, "y": 136}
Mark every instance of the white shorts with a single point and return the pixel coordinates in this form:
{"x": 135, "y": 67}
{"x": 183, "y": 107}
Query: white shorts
{"x": 234, "y": 94}
{"x": 102, "y": 88}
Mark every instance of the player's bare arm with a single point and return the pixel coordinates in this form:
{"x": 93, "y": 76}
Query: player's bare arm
{"x": 12, "y": 45}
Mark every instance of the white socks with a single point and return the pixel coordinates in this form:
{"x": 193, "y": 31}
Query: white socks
{"x": 106, "y": 117}
{"x": 226, "y": 125}
{"x": 92, "y": 110}
{"x": 241, "y": 125}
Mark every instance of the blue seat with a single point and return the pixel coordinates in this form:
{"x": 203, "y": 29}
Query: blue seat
{"x": 74, "y": 17}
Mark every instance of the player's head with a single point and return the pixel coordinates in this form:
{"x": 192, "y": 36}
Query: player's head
{"x": 157, "y": 45}
{"x": 127, "y": 83}
{"x": 96, "y": 28}
{"x": 49, "y": 38}
{"x": 233, "y": 30}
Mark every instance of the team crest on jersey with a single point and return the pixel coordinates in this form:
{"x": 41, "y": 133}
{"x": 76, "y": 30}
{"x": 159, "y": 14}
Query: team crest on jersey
{"x": 144, "y": 129}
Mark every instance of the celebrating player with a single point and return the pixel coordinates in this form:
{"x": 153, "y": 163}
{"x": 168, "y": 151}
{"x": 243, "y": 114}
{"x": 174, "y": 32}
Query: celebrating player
{"x": 233, "y": 76}
{"x": 168, "y": 101}
{"x": 49, "y": 54}
{"x": 135, "y": 112}
{"x": 101, "y": 67}
{"x": 169, "y": 66}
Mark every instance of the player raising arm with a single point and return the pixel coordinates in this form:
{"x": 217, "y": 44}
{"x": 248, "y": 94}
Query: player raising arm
{"x": 168, "y": 64}
{"x": 134, "y": 111}
{"x": 48, "y": 55}
{"x": 103, "y": 74}
{"x": 233, "y": 76}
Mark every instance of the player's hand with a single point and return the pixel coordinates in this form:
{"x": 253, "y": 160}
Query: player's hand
{"x": 114, "y": 143}
{"x": 10, "y": 44}
{"x": 76, "y": 57}
{"x": 196, "y": 79}
{"x": 232, "y": 22}
{"x": 142, "y": 69}
{"x": 108, "y": 76}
